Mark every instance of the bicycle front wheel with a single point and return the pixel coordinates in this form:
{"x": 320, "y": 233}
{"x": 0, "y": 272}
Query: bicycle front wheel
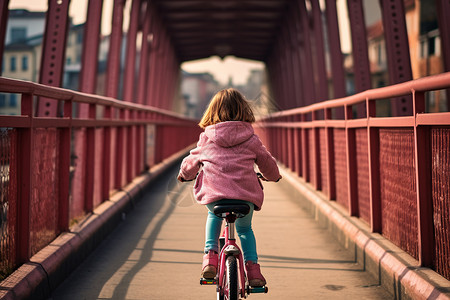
{"x": 231, "y": 287}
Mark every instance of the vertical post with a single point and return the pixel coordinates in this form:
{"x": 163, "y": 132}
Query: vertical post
{"x": 90, "y": 163}
{"x": 130, "y": 57}
{"x": 329, "y": 140}
{"x": 321, "y": 73}
{"x": 88, "y": 74}
{"x": 131, "y": 144}
{"x": 25, "y": 181}
{"x": 337, "y": 63}
{"x": 423, "y": 186}
{"x": 397, "y": 51}
{"x": 120, "y": 142}
{"x": 373, "y": 141}
{"x": 143, "y": 63}
{"x": 106, "y": 178}
{"x": 305, "y": 151}
{"x": 317, "y": 180}
{"x": 298, "y": 148}
{"x": 4, "y": 12}
{"x": 64, "y": 169}
{"x": 352, "y": 185}
{"x": 443, "y": 11}
{"x": 360, "y": 50}
{"x": 154, "y": 64}
{"x": 296, "y": 67}
{"x": 306, "y": 55}
{"x": 115, "y": 46}
{"x": 53, "y": 54}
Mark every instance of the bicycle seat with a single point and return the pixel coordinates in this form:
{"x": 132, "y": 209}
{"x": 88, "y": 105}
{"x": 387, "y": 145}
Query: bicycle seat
{"x": 240, "y": 210}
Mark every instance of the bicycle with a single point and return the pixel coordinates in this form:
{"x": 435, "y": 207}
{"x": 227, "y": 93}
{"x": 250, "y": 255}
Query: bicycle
{"x": 231, "y": 279}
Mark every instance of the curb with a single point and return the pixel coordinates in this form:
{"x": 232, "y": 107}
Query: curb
{"x": 49, "y": 267}
{"x": 396, "y": 271}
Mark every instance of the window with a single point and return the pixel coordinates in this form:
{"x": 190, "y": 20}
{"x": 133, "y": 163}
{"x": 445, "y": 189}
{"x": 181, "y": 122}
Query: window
{"x": 13, "y": 64}
{"x": 2, "y": 100}
{"x": 18, "y": 34}
{"x": 431, "y": 46}
{"x": 25, "y": 63}
{"x": 13, "y": 100}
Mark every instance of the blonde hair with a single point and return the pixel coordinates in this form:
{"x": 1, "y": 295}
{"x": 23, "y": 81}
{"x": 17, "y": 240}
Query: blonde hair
{"x": 227, "y": 105}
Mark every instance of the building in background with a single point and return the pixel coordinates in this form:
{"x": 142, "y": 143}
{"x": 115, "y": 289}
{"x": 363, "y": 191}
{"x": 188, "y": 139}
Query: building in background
{"x": 22, "y": 53}
{"x": 196, "y": 90}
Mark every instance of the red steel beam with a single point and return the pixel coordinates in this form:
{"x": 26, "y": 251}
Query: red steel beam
{"x": 88, "y": 81}
{"x": 360, "y": 53}
{"x": 25, "y": 181}
{"x": 64, "y": 169}
{"x": 89, "y": 60}
{"x": 296, "y": 67}
{"x": 144, "y": 58}
{"x": 423, "y": 170}
{"x": 331, "y": 174}
{"x": 130, "y": 52}
{"x": 4, "y": 12}
{"x": 336, "y": 60}
{"x": 397, "y": 50}
{"x": 111, "y": 90}
{"x": 319, "y": 51}
{"x": 443, "y": 11}
{"x": 114, "y": 51}
{"x": 352, "y": 184}
{"x": 53, "y": 54}
{"x": 306, "y": 53}
{"x": 373, "y": 147}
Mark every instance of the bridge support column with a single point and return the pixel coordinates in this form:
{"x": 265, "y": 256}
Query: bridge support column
{"x": 443, "y": 11}
{"x": 373, "y": 140}
{"x": 130, "y": 52}
{"x": 305, "y": 52}
{"x": 425, "y": 222}
{"x": 361, "y": 67}
{"x": 319, "y": 53}
{"x": 25, "y": 138}
{"x": 397, "y": 50}
{"x": 53, "y": 54}
{"x": 336, "y": 60}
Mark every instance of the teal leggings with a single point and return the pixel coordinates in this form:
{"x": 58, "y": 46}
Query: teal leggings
{"x": 243, "y": 229}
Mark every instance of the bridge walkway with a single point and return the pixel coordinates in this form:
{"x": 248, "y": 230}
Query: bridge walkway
{"x": 156, "y": 253}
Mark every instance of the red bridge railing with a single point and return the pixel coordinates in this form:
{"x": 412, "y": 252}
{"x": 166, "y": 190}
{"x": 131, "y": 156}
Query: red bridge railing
{"x": 392, "y": 172}
{"x": 54, "y": 171}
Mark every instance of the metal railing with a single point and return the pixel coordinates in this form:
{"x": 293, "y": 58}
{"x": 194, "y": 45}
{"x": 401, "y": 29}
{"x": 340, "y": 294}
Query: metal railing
{"x": 392, "y": 172}
{"x": 55, "y": 170}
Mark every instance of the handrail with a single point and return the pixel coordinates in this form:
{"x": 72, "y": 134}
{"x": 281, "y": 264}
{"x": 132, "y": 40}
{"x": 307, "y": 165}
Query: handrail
{"x": 424, "y": 84}
{"x": 9, "y": 85}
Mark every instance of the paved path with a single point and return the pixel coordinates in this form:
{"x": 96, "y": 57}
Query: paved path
{"x": 156, "y": 253}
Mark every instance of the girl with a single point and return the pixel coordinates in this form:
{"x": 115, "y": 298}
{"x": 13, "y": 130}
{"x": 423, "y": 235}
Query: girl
{"x": 226, "y": 152}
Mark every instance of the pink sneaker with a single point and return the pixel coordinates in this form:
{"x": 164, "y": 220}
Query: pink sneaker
{"x": 254, "y": 275}
{"x": 210, "y": 262}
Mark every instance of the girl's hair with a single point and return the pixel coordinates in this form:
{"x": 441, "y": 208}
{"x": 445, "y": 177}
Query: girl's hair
{"x": 227, "y": 105}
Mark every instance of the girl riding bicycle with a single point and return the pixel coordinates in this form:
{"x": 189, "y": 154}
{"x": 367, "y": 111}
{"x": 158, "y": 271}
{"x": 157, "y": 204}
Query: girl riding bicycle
{"x": 226, "y": 154}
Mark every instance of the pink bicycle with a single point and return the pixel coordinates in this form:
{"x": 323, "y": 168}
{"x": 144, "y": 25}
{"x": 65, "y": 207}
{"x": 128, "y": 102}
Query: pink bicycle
{"x": 231, "y": 279}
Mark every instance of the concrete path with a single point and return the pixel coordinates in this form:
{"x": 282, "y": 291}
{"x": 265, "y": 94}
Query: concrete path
{"x": 156, "y": 253}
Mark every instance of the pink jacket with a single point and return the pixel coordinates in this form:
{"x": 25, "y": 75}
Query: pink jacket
{"x": 226, "y": 152}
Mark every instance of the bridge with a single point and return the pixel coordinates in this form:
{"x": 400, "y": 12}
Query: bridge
{"x": 89, "y": 204}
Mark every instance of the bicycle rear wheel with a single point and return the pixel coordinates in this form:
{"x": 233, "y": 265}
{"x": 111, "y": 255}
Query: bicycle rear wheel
{"x": 231, "y": 287}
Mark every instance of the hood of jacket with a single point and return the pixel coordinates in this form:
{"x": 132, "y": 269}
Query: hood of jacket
{"x": 229, "y": 134}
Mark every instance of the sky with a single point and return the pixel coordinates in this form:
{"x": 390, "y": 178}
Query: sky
{"x": 222, "y": 70}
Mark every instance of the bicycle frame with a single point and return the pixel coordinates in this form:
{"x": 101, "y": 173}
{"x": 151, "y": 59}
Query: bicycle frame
{"x": 231, "y": 248}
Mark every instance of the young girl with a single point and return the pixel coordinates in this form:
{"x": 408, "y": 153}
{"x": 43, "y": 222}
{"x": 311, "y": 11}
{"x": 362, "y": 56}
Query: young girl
{"x": 226, "y": 153}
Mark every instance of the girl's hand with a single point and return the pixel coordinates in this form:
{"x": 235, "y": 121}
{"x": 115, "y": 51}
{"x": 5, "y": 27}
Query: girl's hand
{"x": 180, "y": 179}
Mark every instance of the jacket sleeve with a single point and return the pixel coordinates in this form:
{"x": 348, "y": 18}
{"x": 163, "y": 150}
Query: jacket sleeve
{"x": 266, "y": 162}
{"x": 191, "y": 164}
